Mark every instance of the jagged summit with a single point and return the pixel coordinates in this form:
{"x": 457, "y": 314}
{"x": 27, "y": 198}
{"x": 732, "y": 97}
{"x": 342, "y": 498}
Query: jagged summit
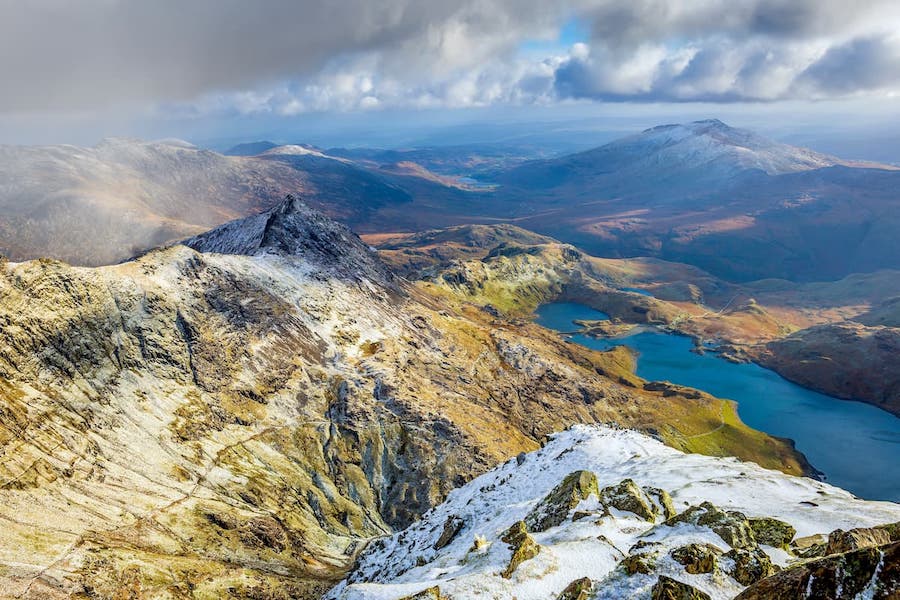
{"x": 291, "y": 228}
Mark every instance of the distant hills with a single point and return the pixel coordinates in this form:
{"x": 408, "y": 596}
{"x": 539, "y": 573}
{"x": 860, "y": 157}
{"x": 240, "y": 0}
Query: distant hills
{"x": 732, "y": 202}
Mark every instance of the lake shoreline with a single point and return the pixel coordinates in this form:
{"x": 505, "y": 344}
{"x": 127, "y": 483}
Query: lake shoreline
{"x": 852, "y": 443}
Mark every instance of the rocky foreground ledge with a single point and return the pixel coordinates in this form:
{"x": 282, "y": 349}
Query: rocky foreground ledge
{"x": 608, "y": 513}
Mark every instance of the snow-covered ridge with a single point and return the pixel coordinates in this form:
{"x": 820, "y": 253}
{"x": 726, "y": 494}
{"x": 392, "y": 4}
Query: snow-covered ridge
{"x": 298, "y": 150}
{"x": 470, "y": 565}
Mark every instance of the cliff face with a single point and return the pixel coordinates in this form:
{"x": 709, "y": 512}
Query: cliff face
{"x": 238, "y": 424}
{"x": 847, "y": 360}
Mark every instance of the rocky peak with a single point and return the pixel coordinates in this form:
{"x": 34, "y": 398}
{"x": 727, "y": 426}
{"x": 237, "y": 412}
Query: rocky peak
{"x": 293, "y": 229}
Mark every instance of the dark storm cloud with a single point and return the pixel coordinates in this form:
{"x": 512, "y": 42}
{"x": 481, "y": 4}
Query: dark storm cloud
{"x": 67, "y": 53}
{"x": 290, "y": 56}
{"x": 863, "y": 64}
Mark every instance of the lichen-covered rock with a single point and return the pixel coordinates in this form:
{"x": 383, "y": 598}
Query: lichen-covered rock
{"x": 639, "y": 563}
{"x": 810, "y": 546}
{"x": 672, "y": 589}
{"x": 772, "y": 532}
{"x": 629, "y": 497}
{"x": 452, "y": 526}
{"x": 697, "y": 558}
{"x": 748, "y": 565}
{"x": 662, "y": 500}
{"x": 869, "y": 572}
{"x": 432, "y": 593}
{"x": 580, "y": 589}
{"x": 642, "y": 558}
{"x": 731, "y": 526}
{"x": 840, "y": 541}
{"x": 555, "y": 507}
{"x": 522, "y": 545}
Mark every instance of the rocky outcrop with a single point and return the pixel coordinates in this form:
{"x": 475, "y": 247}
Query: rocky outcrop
{"x": 732, "y": 526}
{"x": 580, "y": 589}
{"x": 772, "y": 532}
{"x": 872, "y": 572}
{"x": 748, "y": 565}
{"x": 629, "y": 497}
{"x": 608, "y": 553}
{"x": 555, "y": 507}
{"x": 697, "y": 558}
{"x": 522, "y": 546}
{"x": 291, "y": 228}
{"x": 840, "y": 541}
{"x": 667, "y": 588}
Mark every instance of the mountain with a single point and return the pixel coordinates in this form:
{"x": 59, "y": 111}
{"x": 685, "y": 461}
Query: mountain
{"x": 723, "y": 199}
{"x": 606, "y": 513}
{"x": 240, "y": 422}
{"x": 689, "y": 155}
{"x": 101, "y": 205}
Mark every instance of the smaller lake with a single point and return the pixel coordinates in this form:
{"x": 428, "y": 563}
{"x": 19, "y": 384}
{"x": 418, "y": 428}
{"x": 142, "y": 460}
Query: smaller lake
{"x": 636, "y": 291}
{"x": 856, "y": 445}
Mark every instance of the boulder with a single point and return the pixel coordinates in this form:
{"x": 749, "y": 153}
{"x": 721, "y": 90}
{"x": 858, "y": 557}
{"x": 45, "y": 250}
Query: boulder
{"x": 639, "y": 563}
{"x": 522, "y": 545}
{"x": 580, "y": 589}
{"x": 811, "y": 546}
{"x": 731, "y": 526}
{"x": 642, "y": 558}
{"x": 748, "y": 565}
{"x": 663, "y": 501}
{"x": 452, "y": 526}
{"x": 840, "y": 541}
{"x": 629, "y": 497}
{"x": 432, "y": 593}
{"x": 555, "y": 507}
{"x": 772, "y": 532}
{"x": 872, "y": 573}
{"x": 697, "y": 558}
{"x": 671, "y": 589}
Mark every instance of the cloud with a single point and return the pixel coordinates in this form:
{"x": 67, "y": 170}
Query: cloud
{"x": 292, "y": 56}
{"x": 734, "y": 50}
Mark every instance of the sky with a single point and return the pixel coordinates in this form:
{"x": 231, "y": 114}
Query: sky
{"x": 74, "y": 71}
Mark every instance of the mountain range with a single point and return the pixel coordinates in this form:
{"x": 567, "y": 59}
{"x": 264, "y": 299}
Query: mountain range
{"x": 731, "y": 202}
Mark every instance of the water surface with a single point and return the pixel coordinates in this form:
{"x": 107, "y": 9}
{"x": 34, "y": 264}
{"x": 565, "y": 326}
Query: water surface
{"x": 856, "y": 445}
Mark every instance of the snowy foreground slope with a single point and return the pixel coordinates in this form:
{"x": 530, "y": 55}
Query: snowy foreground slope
{"x": 600, "y": 543}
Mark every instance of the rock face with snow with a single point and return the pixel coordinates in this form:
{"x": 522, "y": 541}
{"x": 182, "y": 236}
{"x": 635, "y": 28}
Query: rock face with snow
{"x": 292, "y": 228}
{"x": 728, "y": 538}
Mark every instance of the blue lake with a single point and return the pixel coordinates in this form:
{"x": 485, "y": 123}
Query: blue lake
{"x": 636, "y": 291}
{"x": 856, "y": 445}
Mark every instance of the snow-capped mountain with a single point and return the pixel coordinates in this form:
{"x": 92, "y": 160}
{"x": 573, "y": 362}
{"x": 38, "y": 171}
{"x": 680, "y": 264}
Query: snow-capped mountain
{"x": 706, "y": 151}
{"x": 612, "y": 512}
